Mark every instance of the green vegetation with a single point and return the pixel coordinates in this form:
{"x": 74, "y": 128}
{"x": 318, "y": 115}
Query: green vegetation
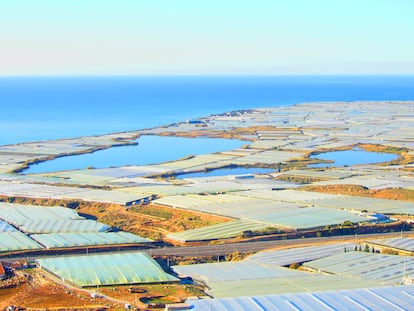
{"x": 266, "y": 231}
{"x": 151, "y": 210}
{"x": 347, "y": 223}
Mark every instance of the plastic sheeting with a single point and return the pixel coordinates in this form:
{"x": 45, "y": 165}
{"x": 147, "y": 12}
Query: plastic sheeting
{"x": 16, "y": 241}
{"x": 381, "y": 298}
{"x": 61, "y": 240}
{"x": 108, "y": 269}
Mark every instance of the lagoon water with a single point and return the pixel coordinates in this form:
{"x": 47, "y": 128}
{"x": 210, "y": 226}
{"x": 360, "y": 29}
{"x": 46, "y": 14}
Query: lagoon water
{"x": 150, "y": 150}
{"x": 352, "y": 157}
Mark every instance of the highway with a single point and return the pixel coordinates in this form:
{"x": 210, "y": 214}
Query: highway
{"x": 204, "y": 250}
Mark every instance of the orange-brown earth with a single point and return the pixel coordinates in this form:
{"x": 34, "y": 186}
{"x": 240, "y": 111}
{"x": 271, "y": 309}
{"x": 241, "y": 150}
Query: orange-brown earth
{"x": 157, "y": 293}
{"x": 234, "y": 133}
{"x": 356, "y": 190}
{"x": 152, "y": 221}
{"x": 42, "y": 293}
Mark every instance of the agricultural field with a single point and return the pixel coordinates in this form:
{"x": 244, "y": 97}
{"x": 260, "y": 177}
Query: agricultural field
{"x": 300, "y": 195}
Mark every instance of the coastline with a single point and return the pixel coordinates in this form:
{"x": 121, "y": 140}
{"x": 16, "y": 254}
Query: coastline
{"x": 202, "y": 127}
{"x": 293, "y": 202}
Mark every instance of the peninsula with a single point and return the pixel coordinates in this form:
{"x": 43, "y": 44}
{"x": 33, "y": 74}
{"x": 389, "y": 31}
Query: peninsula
{"x": 314, "y": 213}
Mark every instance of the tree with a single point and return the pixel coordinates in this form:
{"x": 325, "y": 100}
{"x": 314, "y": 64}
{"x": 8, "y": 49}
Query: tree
{"x": 347, "y": 223}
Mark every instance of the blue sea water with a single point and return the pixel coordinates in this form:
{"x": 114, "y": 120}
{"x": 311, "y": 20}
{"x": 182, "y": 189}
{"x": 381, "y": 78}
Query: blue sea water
{"x": 57, "y": 107}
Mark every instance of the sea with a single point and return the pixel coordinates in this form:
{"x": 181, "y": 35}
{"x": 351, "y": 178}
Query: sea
{"x": 42, "y": 108}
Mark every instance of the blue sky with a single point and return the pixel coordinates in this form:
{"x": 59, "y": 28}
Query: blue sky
{"x": 127, "y": 37}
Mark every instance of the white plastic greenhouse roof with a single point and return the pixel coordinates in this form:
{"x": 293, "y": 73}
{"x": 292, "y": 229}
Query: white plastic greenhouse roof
{"x": 406, "y": 244}
{"x": 20, "y": 214}
{"x": 219, "y": 231}
{"x": 235, "y": 271}
{"x": 243, "y": 278}
{"x": 286, "y": 257}
{"x": 32, "y": 190}
{"x": 63, "y": 226}
{"x": 16, "y": 241}
{"x": 59, "y": 240}
{"x": 42, "y": 219}
{"x": 387, "y": 269}
{"x": 108, "y": 269}
{"x": 378, "y": 298}
{"x": 269, "y": 211}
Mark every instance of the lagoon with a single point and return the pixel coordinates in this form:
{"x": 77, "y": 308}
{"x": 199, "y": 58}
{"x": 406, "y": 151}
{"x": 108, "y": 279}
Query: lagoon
{"x": 150, "y": 150}
{"x": 355, "y": 156}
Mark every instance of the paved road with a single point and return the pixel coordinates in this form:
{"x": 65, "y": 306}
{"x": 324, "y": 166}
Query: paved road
{"x": 224, "y": 249}
{"x": 208, "y": 250}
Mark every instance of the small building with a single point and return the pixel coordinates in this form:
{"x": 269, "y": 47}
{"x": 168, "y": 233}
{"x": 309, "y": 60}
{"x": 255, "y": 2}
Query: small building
{"x": 142, "y": 200}
{"x": 177, "y": 307}
{"x": 19, "y": 264}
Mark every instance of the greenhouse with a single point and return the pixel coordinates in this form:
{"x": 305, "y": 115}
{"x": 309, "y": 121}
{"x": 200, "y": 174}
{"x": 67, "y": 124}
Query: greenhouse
{"x": 235, "y": 271}
{"x": 306, "y": 283}
{"x": 387, "y": 269}
{"x": 375, "y": 298}
{"x": 63, "y": 226}
{"x": 5, "y": 227}
{"x": 16, "y": 241}
{"x": 220, "y": 231}
{"x": 320, "y": 174}
{"x": 267, "y": 211}
{"x": 19, "y": 214}
{"x": 371, "y": 205}
{"x": 32, "y": 190}
{"x": 286, "y": 257}
{"x": 244, "y": 278}
{"x": 61, "y": 240}
{"x": 197, "y": 162}
{"x": 108, "y": 269}
{"x": 268, "y": 157}
{"x": 404, "y": 244}
{"x": 41, "y": 219}
{"x": 334, "y": 201}
{"x": 103, "y": 176}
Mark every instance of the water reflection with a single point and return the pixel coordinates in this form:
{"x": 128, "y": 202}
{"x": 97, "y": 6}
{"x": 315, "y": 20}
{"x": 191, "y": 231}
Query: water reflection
{"x": 150, "y": 150}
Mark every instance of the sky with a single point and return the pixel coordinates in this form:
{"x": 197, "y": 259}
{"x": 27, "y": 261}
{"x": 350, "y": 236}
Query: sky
{"x": 206, "y": 37}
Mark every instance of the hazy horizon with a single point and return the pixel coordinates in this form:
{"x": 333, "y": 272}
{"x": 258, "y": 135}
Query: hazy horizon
{"x": 264, "y": 37}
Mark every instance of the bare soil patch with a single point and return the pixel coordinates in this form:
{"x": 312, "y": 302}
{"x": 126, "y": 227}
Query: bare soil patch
{"x": 356, "y": 190}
